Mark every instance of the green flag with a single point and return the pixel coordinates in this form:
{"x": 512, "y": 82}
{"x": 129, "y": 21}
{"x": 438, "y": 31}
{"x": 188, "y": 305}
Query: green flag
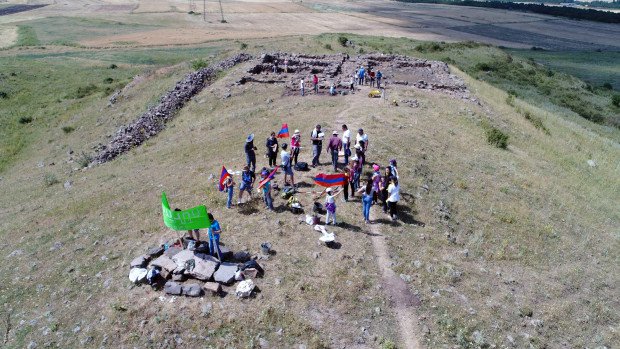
{"x": 193, "y": 218}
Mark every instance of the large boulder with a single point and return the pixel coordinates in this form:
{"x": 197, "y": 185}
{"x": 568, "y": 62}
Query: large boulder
{"x": 155, "y": 252}
{"x": 139, "y": 262}
{"x": 171, "y": 251}
{"x": 182, "y": 257}
{"x": 225, "y": 274}
{"x": 164, "y": 262}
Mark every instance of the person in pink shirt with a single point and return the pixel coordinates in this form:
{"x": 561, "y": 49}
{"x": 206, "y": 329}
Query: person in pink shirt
{"x": 315, "y": 83}
{"x": 295, "y": 146}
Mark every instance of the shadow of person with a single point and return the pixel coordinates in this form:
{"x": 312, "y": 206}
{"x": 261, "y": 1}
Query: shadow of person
{"x": 349, "y": 226}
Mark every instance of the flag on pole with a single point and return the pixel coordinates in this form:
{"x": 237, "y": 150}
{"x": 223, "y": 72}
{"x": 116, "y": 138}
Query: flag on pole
{"x": 223, "y": 178}
{"x": 268, "y": 178}
{"x": 193, "y": 218}
{"x": 283, "y": 132}
{"x": 329, "y": 180}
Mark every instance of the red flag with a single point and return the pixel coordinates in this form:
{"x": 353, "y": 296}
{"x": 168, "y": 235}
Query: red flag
{"x": 329, "y": 180}
{"x": 223, "y": 178}
{"x": 283, "y": 132}
{"x": 268, "y": 178}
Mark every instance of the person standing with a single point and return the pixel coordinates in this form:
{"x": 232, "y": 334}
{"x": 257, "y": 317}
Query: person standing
{"x": 287, "y": 166}
{"x": 376, "y": 181}
{"x": 394, "y": 196}
{"x": 383, "y": 185}
{"x": 247, "y": 181}
{"x": 366, "y": 200}
{"x": 301, "y": 86}
{"x": 250, "y": 152}
{"x": 267, "y": 191}
{"x": 379, "y": 76}
{"x": 315, "y": 83}
{"x": 393, "y": 168}
{"x": 361, "y": 75}
{"x": 295, "y": 146}
{"x": 214, "y": 238}
{"x": 229, "y": 186}
{"x": 272, "y": 149}
{"x": 330, "y": 204}
{"x": 352, "y": 83}
{"x": 362, "y": 140}
{"x": 317, "y": 145}
{"x": 347, "y": 183}
{"x": 286, "y": 65}
{"x": 346, "y": 143}
{"x": 371, "y": 74}
{"x": 275, "y": 66}
{"x": 333, "y": 147}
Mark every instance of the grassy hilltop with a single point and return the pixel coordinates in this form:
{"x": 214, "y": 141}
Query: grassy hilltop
{"x": 519, "y": 245}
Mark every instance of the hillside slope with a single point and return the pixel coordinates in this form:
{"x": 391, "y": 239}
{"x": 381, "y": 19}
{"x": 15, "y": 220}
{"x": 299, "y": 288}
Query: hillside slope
{"x": 518, "y": 246}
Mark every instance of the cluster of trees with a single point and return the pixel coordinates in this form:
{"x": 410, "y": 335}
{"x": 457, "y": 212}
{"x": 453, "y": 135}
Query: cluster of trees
{"x": 563, "y": 11}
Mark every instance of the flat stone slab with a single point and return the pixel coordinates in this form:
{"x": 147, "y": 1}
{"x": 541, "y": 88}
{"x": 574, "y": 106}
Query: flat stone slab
{"x": 203, "y": 269}
{"x": 164, "y": 262}
{"x": 170, "y": 252}
{"x": 192, "y": 290}
{"x": 173, "y": 288}
{"x": 225, "y": 274}
{"x": 212, "y": 287}
{"x": 139, "y": 262}
{"x": 206, "y": 257}
{"x": 155, "y": 252}
{"x": 182, "y": 257}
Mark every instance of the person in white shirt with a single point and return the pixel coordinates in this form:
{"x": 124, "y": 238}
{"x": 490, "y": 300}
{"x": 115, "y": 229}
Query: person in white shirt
{"x": 330, "y": 204}
{"x": 301, "y": 86}
{"x": 346, "y": 143}
{"x": 361, "y": 143}
{"x": 393, "y": 191}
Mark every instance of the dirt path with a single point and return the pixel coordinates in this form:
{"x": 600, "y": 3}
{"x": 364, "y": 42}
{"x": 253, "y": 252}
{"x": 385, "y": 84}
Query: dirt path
{"x": 401, "y": 299}
{"x": 396, "y": 290}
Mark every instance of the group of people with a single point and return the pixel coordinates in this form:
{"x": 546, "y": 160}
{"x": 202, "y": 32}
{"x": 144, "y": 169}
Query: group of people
{"x": 380, "y": 187}
{"x": 360, "y": 77}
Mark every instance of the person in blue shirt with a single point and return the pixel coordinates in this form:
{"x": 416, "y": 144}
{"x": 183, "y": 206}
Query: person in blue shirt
{"x": 214, "y": 238}
{"x": 362, "y": 74}
{"x": 379, "y": 75}
{"x": 247, "y": 181}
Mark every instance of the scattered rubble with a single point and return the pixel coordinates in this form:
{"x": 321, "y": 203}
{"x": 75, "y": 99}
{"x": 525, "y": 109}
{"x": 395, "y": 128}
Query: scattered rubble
{"x": 153, "y": 121}
{"x": 176, "y": 269}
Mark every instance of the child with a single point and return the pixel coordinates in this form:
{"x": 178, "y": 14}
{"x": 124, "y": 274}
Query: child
{"x": 229, "y": 186}
{"x": 347, "y": 183}
{"x": 295, "y": 144}
{"x": 330, "y": 204}
{"x": 214, "y": 238}
{"x": 267, "y": 191}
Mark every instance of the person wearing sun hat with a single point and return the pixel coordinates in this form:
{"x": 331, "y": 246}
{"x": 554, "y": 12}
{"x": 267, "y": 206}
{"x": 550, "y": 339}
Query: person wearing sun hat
{"x": 295, "y": 146}
{"x": 330, "y": 204}
{"x": 250, "y": 152}
{"x": 333, "y": 147}
{"x": 287, "y": 166}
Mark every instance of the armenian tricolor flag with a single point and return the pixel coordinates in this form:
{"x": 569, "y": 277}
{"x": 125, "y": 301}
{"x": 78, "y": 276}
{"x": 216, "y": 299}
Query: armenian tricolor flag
{"x": 283, "y": 132}
{"x": 329, "y": 180}
{"x": 223, "y": 178}
{"x": 268, "y": 178}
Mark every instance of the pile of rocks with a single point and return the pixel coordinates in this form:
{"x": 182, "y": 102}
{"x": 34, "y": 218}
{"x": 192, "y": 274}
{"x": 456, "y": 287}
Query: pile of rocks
{"x": 178, "y": 270}
{"x": 153, "y": 121}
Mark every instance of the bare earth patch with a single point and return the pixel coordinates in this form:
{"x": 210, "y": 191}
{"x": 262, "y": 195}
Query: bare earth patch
{"x": 8, "y": 36}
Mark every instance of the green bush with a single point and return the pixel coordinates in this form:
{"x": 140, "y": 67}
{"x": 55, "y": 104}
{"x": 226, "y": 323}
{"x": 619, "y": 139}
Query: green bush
{"x": 68, "y": 129}
{"x": 243, "y": 46}
{"x": 84, "y": 159}
{"x": 108, "y": 80}
{"x": 430, "y": 47}
{"x": 496, "y": 137}
{"x": 615, "y": 100}
{"x": 536, "y": 121}
{"x": 4, "y": 95}
{"x": 112, "y": 66}
{"x": 343, "y": 40}
{"x": 607, "y": 86}
{"x": 50, "y": 179}
{"x": 25, "y": 120}
{"x": 328, "y": 47}
{"x": 87, "y": 90}
{"x": 199, "y": 64}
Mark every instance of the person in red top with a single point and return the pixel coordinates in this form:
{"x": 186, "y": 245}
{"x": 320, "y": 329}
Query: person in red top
{"x": 334, "y": 146}
{"x": 295, "y": 146}
{"x": 315, "y": 83}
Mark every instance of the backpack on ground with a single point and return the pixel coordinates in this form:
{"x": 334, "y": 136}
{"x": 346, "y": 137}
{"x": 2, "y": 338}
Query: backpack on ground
{"x": 302, "y": 166}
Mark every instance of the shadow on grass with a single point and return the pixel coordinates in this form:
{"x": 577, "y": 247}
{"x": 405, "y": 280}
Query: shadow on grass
{"x": 303, "y": 185}
{"x": 351, "y": 227}
{"x": 250, "y": 207}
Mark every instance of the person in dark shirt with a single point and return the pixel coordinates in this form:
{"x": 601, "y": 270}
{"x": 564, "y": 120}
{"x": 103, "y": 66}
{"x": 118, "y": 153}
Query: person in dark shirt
{"x": 250, "y": 154}
{"x": 333, "y": 147}
{"x": 317, "y": 144}
{"x": 272, "y": 149}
